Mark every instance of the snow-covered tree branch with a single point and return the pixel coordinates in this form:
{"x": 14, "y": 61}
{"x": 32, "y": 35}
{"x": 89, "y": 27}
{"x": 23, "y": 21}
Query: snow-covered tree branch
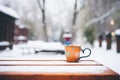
{"x": 94, "y": 20}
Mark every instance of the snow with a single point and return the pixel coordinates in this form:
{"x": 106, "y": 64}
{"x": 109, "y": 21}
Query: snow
{"x": 46, "y": 46}
{"x": 67, "y": 35}
{"x": 22, "y": 26}
{"x": 117, "y": 32}
{"x": 72, "y": 69}
{"x": 8, "y": 11}
{"x": 4, "y": 43}
{"x": 21, "y": 37}
{"x": 109, "y": 58}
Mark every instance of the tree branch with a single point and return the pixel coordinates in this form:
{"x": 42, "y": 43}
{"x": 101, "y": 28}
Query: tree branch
{"x": 94, "y": 20}
{"x": 82, "y": 6}
{"x": 74, "y": 13}
{"x": 39, "y": 3}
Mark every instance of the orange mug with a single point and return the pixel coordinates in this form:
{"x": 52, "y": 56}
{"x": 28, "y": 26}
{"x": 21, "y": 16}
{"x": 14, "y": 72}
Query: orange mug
{"x": 72, "y": 53}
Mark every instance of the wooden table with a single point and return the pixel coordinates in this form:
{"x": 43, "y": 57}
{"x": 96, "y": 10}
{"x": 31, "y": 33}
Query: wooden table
{"x": 55, "y": 70}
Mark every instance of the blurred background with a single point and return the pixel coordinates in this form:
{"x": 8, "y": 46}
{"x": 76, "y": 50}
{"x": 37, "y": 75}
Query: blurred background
{"x": 49, "y": 20}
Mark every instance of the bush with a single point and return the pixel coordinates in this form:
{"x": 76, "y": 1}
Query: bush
{"x": 89, "y": 34}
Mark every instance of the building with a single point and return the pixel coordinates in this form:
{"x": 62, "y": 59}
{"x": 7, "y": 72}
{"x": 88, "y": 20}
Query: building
{"x": 21, "y": 34}
{"x": 7, "y": 25}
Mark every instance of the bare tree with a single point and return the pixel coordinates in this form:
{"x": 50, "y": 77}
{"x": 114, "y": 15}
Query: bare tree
{"x": 41, "y": 4}
{"x": 75, "y": 15}
{"x": 100, "y": 12}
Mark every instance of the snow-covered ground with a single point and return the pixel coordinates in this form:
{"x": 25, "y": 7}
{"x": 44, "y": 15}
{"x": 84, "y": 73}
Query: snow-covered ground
{"x": 109, "y": 58}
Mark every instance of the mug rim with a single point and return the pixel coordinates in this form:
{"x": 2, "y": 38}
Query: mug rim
{"x": 72, "y": 46}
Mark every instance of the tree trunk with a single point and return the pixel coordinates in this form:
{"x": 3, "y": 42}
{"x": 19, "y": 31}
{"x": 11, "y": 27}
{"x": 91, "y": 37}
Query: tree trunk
{"x": 45, "y": 38}
{"x": 73, "y": 31}
{"x": 75, "y": 13}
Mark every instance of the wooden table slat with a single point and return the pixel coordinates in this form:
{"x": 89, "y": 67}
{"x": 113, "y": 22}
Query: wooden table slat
{"x": 55, "y": 70}
{"x": 48, "y": 63}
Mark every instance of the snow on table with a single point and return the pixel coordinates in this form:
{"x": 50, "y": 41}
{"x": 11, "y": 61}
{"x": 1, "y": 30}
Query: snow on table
{"x": 58, "y": 69}
{"x": 109, "y": 58}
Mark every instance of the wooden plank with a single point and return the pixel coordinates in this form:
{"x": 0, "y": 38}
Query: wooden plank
{"x": 47, "y": 63}
{"x": 91, "y": 70}
{"x": 55, "y": 72}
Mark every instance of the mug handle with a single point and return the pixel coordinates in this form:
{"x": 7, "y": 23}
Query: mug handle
{"x": 84, "y": 51}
